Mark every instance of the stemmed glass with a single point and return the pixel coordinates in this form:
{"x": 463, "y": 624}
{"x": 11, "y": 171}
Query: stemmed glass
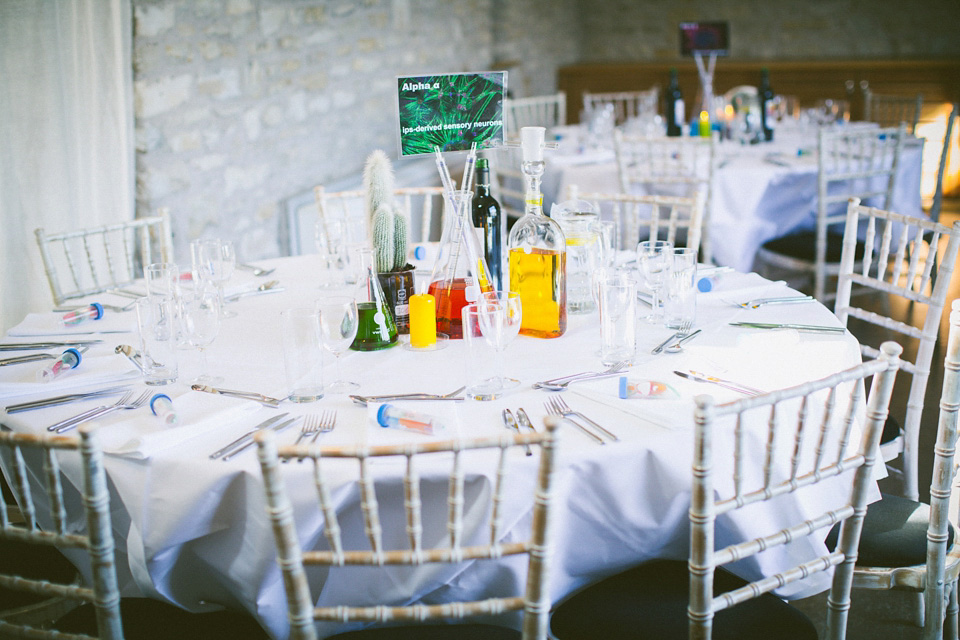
{"x": 653, "y": 256}
{"x": 499, "y": 315}
{"x": 338, "y": 326}
{"x": 200, "y": 323}
{"x": 331, "y": 241}
{"x": 217, "y": 262}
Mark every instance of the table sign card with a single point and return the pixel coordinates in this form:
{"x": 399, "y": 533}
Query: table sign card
{"x": 451, "y": 111}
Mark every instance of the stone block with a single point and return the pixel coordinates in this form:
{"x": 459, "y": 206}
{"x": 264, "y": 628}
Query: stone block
{"x": 151, "y": 21}
{"x": 153, "y": 97}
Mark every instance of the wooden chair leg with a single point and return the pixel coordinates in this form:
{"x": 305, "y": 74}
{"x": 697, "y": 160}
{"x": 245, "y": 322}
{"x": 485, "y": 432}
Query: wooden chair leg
{"x": 950, "y": 622}
{"x": 918, "y": 609}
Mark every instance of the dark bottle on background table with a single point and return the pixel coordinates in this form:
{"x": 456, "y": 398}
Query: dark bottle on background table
{"x": 486, "y": 216}
{"x": 765, "y": 96}
{"x": 674, "y": 110}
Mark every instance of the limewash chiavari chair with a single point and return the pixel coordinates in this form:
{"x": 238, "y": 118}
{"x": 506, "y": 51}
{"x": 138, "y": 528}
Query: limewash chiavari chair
{"x": 892, "y": 261}
{"x": 75, "y": 611}
{"x": 859, "y": 163}
{"x": 646, "y": 163}
{"x": 453, "y": 549}
{"x": 534, "y": 111}
{"x": 87, "y": 261}
{"x": 941, "y": 169}
{"x": 889, "y": 110}
{"x": 699, "y": 598}
{"x": 626, "y": 104}
{"x": 349, "y": 207}
{"x": 638, "y": 217}
{"x": 96, "y": 540}
{"x": 908, "y": 545}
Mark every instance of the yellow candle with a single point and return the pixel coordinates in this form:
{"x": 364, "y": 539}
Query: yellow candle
{"x": 423, "y": 320}
{"x": 704, "y": 124}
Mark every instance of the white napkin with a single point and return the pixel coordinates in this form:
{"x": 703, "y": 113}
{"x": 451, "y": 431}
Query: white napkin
{"x": 48, "y": 324}
{"x": 21, "y": 379}
{"x": 197, "y": 413}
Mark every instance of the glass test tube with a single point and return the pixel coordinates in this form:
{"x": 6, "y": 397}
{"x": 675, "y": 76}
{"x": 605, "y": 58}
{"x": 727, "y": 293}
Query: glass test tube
{"x": 389, "y": 416}
{"x": 162, "y": 406}
{"x": 90, "y": 312}
{"x": 67, "y": 360}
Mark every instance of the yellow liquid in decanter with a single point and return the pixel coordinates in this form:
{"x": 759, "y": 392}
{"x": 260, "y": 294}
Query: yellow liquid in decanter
{"x": 538, "y": 276}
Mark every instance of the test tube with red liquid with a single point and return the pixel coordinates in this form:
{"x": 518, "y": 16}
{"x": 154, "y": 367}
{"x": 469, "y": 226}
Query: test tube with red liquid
{"x": 66, "y": 361}
{"x": 77, "y": 316}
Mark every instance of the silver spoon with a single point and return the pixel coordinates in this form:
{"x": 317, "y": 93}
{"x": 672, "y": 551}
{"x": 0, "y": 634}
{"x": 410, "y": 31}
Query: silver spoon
{"x": 677, "y": 346}
{"x": 257, "y": 271}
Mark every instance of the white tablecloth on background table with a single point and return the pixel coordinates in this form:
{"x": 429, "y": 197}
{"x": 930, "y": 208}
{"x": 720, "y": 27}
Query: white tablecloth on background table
{"x": 195, "y": 531}
{"x": 760, "y": 192}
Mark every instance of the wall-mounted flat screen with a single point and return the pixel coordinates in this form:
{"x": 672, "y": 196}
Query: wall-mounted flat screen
{"x": 704, "y": 37}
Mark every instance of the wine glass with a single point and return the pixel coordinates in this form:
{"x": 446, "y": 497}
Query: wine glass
{"x": 338, "y": 326}
{"x": 499, "y": 314}
{"x": 330, "y": 237}
{"x": 217, "y": 262}
{"x": 200, "y": 323}
{"x": 653, "y": 256}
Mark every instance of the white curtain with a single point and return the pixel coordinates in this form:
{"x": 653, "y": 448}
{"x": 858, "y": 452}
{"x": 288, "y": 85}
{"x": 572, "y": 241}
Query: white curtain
{"x": 66, "y": 132}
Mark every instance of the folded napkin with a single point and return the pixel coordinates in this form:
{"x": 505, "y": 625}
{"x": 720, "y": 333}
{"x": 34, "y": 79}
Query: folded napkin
{"x": 197, "y": 414}
{"x": 49, "y": 324}
{"x": 94, "y": 370}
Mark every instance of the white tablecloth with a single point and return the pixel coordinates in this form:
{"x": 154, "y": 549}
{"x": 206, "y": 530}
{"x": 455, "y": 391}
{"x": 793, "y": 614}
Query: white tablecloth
{"x": 760, "y": 192}
{"x": 194, "y": 531}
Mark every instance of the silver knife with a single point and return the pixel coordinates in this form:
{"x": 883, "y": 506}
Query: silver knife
{"x": 812, "y": 328}
{"x": 30, "y": 346}
{"x": 511, "y": 423}
{"x": 249, "y": 395}
{"x": 249, "y": 434}
{"x": 73, "y": 397}
{"x": 34, "y": 357}
{"x": 726, "y": 384}
{"x": 276, "y": 428}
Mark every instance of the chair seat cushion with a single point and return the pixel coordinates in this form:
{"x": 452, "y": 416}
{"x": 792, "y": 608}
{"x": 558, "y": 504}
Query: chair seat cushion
{"x": 148, "y": 619}
{"x": 802, "y": 245}
{"x": 894, "y": 533}
{"x": 650, "y": 601}
{"x": 432, "y": 632}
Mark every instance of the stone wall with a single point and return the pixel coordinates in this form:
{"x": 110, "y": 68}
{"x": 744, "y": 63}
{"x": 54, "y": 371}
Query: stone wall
{"x": 241, "y": 104}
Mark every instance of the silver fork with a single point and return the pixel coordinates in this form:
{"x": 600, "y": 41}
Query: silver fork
{"x": 557, "y": 384}
{"x": 136, "y": 404}
{"x": 311, "y": 425}
{"x": 566, "y": 412}
{"x": 87, "y": 414}
{"x": 327, "y": 421}
{"x": 553, "y": 409}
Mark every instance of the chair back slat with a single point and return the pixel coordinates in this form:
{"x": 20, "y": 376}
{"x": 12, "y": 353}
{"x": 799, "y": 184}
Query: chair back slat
{"x": 96, "y": 538}
{"x": 350, "y": 208}
{"x": 453, "y": 544}
{"x": 649, "y": 216}
{"x": 534, "y": 111}
{"x": 942, "y": 480}
{"x": 627, "y": 105}
{"x": 929, "y": 288}
{"x": 88, "y": 261}
{"x": 852, "y": 467}
{"x": 669, "y": 166}
{"x": 890, "y": 110}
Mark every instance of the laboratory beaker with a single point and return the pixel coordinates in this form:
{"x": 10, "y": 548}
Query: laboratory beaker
{"x": 376, "y": 328}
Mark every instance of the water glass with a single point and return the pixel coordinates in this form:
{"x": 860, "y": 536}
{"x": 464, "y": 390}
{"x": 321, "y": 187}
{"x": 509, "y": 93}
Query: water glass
{"x": 161, "y": 279}
{"x": 609, "y": 242}
{"x": 500, "y": 314}
{"x": 302, "y": 353}
{"x": 579, "y": 221}
{"x": 618, "y": 318}
{"x": 157, "y": 322}
{"x": 480, "y": 364}
{"x": 680, "y": 303}
{"x": 338, "y": 327}
{"x": 653, "y": 259}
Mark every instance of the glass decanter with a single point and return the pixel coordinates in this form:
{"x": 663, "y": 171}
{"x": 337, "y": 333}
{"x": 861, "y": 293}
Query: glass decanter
{"x": 537, "y": 251}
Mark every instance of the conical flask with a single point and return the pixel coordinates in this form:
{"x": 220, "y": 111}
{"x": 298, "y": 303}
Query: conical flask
{"x": 460, "y": 273}
{"x": 537, "y": 252}
{"x": 376, "y": 327}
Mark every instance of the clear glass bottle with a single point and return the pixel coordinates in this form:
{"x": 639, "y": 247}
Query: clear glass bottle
{"x": 376, "y": 327}
{"x": 460, "y": 272}
{"x": 537, "y": 251}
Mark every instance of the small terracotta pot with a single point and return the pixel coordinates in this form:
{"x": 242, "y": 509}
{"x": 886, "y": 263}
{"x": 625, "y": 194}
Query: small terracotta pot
{"x": 398, "y": 287}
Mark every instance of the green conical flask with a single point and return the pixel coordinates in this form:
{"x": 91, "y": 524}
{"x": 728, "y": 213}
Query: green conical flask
{"x": 376, "y": 327}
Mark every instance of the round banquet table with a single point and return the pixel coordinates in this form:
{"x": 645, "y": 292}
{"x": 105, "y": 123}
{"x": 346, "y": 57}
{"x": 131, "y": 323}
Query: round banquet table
{"x": 760, "y": 191}
{"x": 194, "y": 531}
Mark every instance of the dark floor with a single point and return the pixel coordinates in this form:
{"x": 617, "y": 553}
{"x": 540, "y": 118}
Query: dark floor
{"x": 889, "y": 615}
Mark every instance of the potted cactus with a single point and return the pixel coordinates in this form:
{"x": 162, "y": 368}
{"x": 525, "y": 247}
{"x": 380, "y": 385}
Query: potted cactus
{"x": 389, "y": 237}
